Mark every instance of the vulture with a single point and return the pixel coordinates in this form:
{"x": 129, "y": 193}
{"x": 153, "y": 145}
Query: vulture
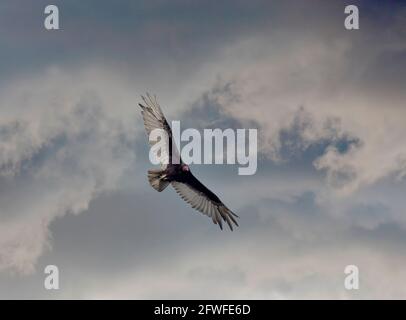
{"x": 178, "y": 174}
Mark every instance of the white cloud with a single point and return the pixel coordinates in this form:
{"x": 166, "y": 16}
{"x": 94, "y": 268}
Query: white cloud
{"x": 332, "y": 88}
{"x": 259, "y": 267}
{"x": 65, "y": 137}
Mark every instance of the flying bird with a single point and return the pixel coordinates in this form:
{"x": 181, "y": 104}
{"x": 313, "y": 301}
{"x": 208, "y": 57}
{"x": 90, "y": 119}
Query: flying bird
{"x": 178, "y": 175}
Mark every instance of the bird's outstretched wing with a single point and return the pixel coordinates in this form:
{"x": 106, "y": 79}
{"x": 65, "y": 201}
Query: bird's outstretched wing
{"x": 155, "y": 119}
{"x": 202, "y": 199}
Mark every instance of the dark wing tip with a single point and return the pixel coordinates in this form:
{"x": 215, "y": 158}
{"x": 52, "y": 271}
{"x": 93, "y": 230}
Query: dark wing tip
{"x": 220, "y": 224}
{"x": 227, "y": 215}
{"x": 233, "y": 214}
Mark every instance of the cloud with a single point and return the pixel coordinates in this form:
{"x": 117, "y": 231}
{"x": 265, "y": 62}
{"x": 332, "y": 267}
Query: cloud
{"x": 65, "y": 138}
{"x": 329, "y": 106}
{"x": 286, "y": 249}
{"x": 323, "y": 86}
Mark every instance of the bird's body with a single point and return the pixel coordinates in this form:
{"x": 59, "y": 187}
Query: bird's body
{"x": 182, "y": 174}
{"x": 178, "y": 174}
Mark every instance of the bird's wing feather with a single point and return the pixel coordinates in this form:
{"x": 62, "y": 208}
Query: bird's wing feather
{"x": 203, "y": 200}
{"x": 155, "y": 119}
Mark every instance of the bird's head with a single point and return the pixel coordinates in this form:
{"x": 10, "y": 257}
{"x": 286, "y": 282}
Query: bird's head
{"x": 185, "y": 168}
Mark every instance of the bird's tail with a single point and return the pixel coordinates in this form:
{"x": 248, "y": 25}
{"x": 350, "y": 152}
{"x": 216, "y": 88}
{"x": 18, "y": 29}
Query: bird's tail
{"x": 156, "y": 179}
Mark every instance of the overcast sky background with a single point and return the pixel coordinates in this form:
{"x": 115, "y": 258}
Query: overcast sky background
{"x": 329, "y": 105}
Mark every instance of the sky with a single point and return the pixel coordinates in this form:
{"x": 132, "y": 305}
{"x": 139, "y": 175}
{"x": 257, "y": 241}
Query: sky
{"x": 329, "y": 107}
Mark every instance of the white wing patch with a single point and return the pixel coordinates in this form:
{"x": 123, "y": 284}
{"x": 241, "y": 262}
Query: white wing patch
{"x": 198, "y": 200}
{"x": 155, "y": 123}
